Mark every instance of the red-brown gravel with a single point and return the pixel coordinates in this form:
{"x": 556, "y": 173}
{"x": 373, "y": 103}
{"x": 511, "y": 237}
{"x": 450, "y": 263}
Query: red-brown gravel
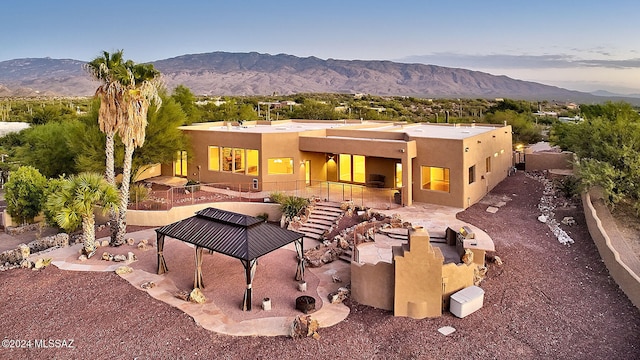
{"x": 548, "y": 300}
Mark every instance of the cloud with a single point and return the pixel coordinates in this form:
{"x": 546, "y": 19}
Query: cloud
{"x": 507, "y": 61}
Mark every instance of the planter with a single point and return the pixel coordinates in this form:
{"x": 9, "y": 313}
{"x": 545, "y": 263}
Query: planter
{"x": 266, "y": 304}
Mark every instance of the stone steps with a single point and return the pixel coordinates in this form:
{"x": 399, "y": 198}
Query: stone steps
{"x": 323, "y": 215}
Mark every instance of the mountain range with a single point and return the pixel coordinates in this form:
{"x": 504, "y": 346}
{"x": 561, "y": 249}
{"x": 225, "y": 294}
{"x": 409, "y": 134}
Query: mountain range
{"x": 224, "y": 73}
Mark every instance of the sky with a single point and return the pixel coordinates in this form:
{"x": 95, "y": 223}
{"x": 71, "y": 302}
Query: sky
{"x": 582, "y": 45}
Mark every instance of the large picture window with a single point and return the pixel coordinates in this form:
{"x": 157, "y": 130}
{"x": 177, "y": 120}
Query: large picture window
{"x": 242, "y": 161}
{"x": 435, "y": 178}
{"x": 280, "y": 166}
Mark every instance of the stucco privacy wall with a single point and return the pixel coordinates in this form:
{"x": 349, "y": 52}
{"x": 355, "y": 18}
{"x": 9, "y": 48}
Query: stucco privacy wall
{"x": 373, "y": 284}
{"x": 161, "y": 218}
{"x": 548, "y": 160}
{"x": 602, "y": 229}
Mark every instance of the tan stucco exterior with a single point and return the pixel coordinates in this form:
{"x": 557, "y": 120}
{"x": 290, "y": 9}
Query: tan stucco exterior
{"x": 385, "y": 147}
{"x": 416, "y": 283}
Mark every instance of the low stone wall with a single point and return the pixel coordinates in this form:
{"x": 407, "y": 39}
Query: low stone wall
{"x": 15, "y": 256}
{"x": 610, "y": 245}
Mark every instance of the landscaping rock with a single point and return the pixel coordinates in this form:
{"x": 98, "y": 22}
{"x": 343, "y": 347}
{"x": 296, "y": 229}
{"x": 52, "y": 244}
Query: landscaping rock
{"x": 119, "y": 258}
{"x": 196, "y": 296}
{"x": 122, "y": 270}
{"x": 57, "y": 240}
{"x": 41, "y": 263}
{"x": 106, "y": 256}
{"x": 305, "y": 326}
{"x": 339, "y": 296}
{"x": 148, "y": 285}
{"x": 183, "y": 295}
{"x": 131, "y": 241}
{"x": 131, "y": 256}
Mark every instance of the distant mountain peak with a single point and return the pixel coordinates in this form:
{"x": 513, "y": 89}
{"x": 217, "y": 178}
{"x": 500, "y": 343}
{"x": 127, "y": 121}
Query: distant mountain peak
{"x": 253, "y": 73}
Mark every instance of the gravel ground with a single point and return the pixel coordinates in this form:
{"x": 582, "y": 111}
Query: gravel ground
{"x": 547, "y": 300}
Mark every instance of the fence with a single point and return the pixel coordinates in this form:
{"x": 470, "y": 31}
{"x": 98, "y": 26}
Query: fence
{"x": 377, "y": 198}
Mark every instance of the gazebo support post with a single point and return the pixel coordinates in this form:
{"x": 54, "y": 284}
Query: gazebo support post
{"x": 300, "y": 251}
{"x": 197, "y": 282}
{"x": 250, "y": 271}
{"x": 162, "y": 265}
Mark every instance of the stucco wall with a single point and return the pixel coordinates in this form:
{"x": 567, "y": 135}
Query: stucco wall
{"x": 161, "y": 218}
{"x": 456, "y": 277}
{"x": 373, "y": 284}
{"x": 548, "y": 160}
{"x": 418, "y": 278}
{"x": 603, "y": 231}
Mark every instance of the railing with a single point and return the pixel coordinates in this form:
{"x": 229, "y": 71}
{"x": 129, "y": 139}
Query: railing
{"x": 377, "y": 198}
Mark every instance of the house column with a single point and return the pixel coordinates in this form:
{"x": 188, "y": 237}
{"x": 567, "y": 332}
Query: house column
{"x": 407, "y": 179}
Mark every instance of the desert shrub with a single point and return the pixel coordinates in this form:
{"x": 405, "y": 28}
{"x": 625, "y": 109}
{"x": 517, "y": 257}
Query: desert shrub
{"x": 138, "y": 193}
{"x": 25, "y": 194}
{"x": 569, "y": 186}
{"x": 293, "y": 205}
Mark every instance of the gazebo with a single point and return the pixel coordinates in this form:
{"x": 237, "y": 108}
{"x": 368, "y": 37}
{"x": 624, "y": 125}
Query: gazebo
{"x": 240, "y": 236}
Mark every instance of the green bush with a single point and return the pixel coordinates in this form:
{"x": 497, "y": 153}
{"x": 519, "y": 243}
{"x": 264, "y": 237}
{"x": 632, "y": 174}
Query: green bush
{"x": 293, "y": 205}
{"x": 569, "y": 186}
{"x": 25, "y": 194}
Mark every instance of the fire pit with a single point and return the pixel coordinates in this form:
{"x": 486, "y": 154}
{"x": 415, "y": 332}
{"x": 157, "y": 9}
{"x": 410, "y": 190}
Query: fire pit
{"x": 305, "y": 303}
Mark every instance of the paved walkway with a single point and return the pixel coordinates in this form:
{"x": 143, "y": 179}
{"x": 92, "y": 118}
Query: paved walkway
{"x": 221, "y": 318}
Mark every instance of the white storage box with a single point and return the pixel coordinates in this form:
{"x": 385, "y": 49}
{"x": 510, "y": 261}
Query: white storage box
{"x": 466, "y": 301}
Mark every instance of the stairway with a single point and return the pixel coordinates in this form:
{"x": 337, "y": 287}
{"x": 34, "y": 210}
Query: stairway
{"x": 322, "y": 217}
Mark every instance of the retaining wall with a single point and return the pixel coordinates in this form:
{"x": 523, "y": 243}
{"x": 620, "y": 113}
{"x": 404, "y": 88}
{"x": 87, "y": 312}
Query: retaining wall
{"x": 623, "y": 266}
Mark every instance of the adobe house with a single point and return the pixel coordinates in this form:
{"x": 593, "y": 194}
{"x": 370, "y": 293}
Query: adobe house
{"x": 417, "y": 279}
{"x": 447, "y": 164}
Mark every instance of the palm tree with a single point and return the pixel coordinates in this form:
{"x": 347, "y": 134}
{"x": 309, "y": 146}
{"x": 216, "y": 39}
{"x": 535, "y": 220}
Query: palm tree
{"x": 111, "y": 71}
{"x": 126, "y": 93}
{"x": 75, "y": 202}
{"x": 141, "y": 90}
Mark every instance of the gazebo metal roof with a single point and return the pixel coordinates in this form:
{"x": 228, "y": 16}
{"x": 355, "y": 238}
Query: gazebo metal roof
{"x": 240, "y": 236}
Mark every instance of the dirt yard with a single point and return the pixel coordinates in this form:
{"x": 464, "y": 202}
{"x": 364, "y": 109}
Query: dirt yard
{"x": 547, "y": 300}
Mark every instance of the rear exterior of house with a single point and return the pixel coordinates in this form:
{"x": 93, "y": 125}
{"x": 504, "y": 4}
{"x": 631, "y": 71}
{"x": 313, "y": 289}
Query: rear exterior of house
{"x": 446, "y": 164}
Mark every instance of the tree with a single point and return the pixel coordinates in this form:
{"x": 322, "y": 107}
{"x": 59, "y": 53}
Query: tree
{"x": 110, "y": 70}
{"x": 608, "y": 146}
{"x": 187, "y": 101}
{"x": 127, "y": 91}
{"x": 141, "y": 91}
{"x": 24, "y": 194}
{"x": 46, "y": 147}
{"x": 75, "y": 201}
{"x": 163, "y": 137}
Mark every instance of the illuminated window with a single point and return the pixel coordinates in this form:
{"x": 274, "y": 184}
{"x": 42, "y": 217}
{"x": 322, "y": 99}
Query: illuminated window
{"x": 472, "y": 174}
{"x": 227, "y": 159}
{"x": 238, "y": 160}
{"x": 214, "y": 158}
{"x": 344, "y": 162}
{"x": 398, "y": 175}
{"x": 352, "y": 168}
{"x": 487, "y": 164}
{"x": 435, "y": 178}
{"x": 358, "y": 169}
{"x": 180, "y": 165}
{"x": 278, "y": 166}
{"x": 252, "y": 162}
